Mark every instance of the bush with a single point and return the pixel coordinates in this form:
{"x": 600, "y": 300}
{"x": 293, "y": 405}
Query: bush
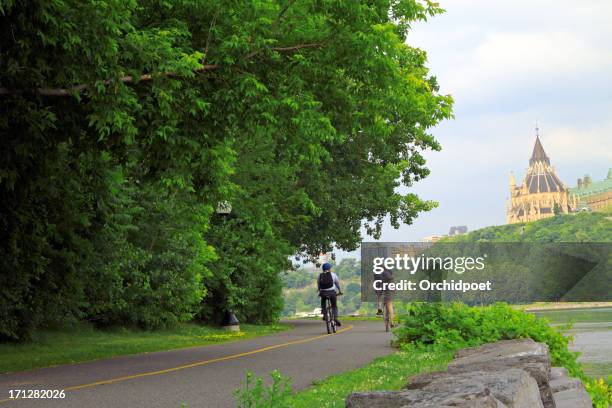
{"x": 455, "y": 325}
{"x": 150, "y": 261}
{"x": 601, "y": 392}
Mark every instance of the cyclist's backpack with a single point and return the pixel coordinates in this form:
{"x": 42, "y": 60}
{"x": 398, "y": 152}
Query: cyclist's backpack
{"x": 326, "y": 281}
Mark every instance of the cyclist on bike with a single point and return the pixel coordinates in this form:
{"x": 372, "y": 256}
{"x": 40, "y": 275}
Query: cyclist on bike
{"x": 385, "y": 295}
{"x": 328, "y": 286}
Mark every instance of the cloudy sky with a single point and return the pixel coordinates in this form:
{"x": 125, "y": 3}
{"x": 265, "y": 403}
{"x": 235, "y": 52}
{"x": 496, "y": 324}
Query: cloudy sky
{"x": 508, "y": 64}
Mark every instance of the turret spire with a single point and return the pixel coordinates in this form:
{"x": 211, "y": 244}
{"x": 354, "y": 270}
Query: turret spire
{"x": 538, "y": 150}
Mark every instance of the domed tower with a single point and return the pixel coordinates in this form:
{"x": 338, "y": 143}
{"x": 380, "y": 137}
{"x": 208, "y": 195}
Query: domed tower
{"x": 541, "y": 194}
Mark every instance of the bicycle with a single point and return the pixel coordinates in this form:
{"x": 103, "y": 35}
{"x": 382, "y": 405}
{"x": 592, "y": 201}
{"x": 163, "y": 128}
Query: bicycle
{"x": 330, "y": 322}
{"x": 386, "y": 317}
{"x": 386, "y": 313}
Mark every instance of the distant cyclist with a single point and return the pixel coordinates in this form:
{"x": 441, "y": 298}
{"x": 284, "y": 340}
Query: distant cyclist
{"x": 385, "y": 295}
{"x": 328, "y": 286}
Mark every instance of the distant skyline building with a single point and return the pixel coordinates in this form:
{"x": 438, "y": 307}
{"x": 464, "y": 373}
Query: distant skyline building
{"x": 541, "y": 194}
{"x": 454, "y": 230}
{"x": 432, "y": 238}
{"x": 458, "y": 230}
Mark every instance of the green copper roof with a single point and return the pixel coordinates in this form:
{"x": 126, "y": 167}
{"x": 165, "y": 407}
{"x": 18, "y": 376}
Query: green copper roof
{"x": 596, "y": 187}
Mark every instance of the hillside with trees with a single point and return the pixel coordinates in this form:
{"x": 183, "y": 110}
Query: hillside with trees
{"x": 581, "y": 227}
{"x": 300, "y": 290}
{"x": 300, "y": 293}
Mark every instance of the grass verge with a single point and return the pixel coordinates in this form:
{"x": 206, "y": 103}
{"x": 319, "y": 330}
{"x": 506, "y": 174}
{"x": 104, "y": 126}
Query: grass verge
{"x": 84, "y": 343}
{"x": 384, "y": 373}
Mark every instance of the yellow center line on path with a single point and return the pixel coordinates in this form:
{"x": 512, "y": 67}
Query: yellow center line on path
{"x": 196, "y": 364}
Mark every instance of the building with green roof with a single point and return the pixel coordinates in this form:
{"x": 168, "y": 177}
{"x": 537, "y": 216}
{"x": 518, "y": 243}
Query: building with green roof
{"x": 591, "y": 195}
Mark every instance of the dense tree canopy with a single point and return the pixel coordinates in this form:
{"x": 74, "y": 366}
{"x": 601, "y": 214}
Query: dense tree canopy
{"x": 125, "y": 123}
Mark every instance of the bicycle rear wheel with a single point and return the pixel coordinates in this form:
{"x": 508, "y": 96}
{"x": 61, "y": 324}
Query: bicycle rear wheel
{"x": 386, "y": 316}
{"x": 329, "y": 321}
{"x": 332, "y": 319}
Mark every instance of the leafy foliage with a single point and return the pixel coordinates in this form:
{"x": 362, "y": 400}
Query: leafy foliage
{"x": 125, "y": 123}
{"x": 455, "y": 325}
{"x": 256, "y": 395}
{"x": 149, "y": 269}
{"x": 601, "y": 392}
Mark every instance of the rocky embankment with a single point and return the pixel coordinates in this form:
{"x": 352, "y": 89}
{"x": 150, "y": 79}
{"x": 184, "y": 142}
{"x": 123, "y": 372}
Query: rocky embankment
{"x": 506, "y": 374}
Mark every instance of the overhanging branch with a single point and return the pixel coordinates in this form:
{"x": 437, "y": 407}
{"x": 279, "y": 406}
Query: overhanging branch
{"x": 146, "y": 77}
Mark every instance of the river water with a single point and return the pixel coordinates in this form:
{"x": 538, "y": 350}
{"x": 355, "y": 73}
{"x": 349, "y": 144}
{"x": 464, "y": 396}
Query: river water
{"x": 592, "y": 331}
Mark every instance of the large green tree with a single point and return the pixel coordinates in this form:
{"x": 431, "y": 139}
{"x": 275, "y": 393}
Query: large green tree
{"x": 117, "y": 115}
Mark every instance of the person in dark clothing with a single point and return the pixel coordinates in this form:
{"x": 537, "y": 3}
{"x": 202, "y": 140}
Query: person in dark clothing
{"x": 328, "y": 286}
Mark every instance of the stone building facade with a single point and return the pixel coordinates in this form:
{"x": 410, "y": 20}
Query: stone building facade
{"x": 541, "y": 193}
{"x": 593, "y": 195}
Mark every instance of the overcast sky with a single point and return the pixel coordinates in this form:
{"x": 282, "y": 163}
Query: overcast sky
{"x": 509, "y": 64}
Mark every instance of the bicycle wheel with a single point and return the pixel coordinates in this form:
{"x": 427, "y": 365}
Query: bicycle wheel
{"x": 386, "y": 316}
{"x": 331, "y": 318}
{"x": 328, "y": 313}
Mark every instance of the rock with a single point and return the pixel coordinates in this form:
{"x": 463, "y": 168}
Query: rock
{"x": 568, "y": 392}
{"x": 476, "y": 401}
{"x": 573, "y": 398}
{"x": 523, "y": 353}
{"x": 502, "y": 349}
{"x": 563, "y": 384}
{"x": 506, "y": 374}
{"x": 558, "y": 372}
{"x": 382, "y": 399}
{"x": 512, "y": 388}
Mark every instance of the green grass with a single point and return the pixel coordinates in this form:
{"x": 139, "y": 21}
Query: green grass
{"x": 84, "y": 343}
{"x": 384, "y": 373}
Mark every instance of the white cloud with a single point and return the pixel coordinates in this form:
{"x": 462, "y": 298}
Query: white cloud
{"x": 505, "y": 61}
{"x": 580, "y": 144}
{"x": 495, "y": 51}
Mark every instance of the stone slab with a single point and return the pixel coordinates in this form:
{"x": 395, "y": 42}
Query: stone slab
{"x": 501, "y": 350}
{"x": 573, "y": 398}
{"x": 525, "y": 354}
{"x": 512, "y": 388}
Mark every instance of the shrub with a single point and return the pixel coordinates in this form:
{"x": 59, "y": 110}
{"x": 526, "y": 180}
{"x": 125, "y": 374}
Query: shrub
{"x": 150, "y": 261}
{"x": 256, "y": 395}
{"x": 455, "y": 325}
{"x": 601, "y": 392}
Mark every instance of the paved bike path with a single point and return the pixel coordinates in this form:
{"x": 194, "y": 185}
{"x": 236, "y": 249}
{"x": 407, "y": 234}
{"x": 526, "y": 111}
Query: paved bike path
{"x": 203, "y": 376}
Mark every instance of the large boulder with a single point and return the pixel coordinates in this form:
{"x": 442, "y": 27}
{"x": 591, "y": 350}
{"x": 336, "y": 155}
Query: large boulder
{"x": 512, "y": 388}
{"x": 390, "y": 400}
{"x": 524, "y": 354}
{"x": 561, "y": 381}
{"x": 510, "y": 373}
